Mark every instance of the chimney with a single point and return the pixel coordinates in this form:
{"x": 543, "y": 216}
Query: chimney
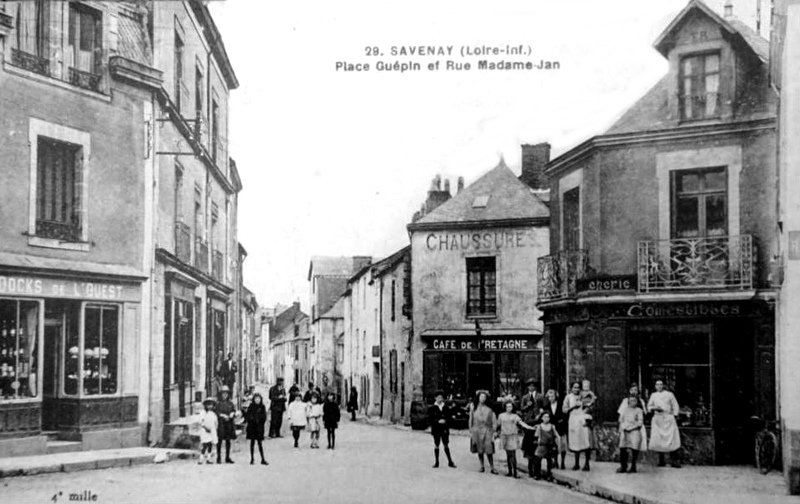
{"x": 447, "y": 185}
{"x": 436, "y": 196}
{"x": 438, "y": 182}
{"x": 534, "y": 161}
{"x": 460, "y": 185}
{"x": 728, "y": 8}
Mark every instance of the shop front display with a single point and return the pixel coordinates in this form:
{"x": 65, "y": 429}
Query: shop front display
{"x": 716, "y": 357}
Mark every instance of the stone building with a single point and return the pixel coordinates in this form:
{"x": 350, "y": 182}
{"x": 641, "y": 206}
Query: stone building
{"x": 473, "y": 287}
{"x": 290, "y": 341}
{"x": 661, "y": 236}
{"x": 784, "y": 63}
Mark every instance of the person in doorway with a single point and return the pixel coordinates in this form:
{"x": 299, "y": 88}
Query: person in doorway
{"x": 219, "y": 380}
{"x": 298, "y": 417}
{"x": 352, "y": 403}
{"x": 256, "y": 417}
{"x": 228, "y": 372}
{"x": 664, "y": 435}
{"x": 330, "y": 417}
{"x": 440, "y": 415}
{"x": 226, "y": 431}
{"x": 277, "y": 405}
{"x": 547, "y": 440}
{"x": 208, "y": 431}
{"x": 530, "y": 407}
{"x": 578, "y": 433}
{"x": 482, "y": 426}
{"x": 631, "y": 437}
{"x": 314, "y": 419}
{"x": 509, "y": 422}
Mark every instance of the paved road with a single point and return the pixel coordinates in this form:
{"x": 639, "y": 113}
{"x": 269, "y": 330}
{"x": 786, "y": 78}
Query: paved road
{"x": 370, "y": 465}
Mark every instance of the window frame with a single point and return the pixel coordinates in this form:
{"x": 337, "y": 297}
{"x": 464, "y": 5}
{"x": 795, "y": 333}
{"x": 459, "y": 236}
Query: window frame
{"x": 97, "y": 50}
{"x": 81, "y": 349}
{"x": 480, "y": 266}
{"x": 701, "y": 78}
{"x": 65, "y": 134}
{"x": 39, "y": 350}
{"x": 701, "y": 196}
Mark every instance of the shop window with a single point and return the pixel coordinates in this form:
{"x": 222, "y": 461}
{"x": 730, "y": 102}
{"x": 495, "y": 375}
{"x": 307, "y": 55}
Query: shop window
{"x": 699, "y": 86}
{"x": 481, "y": 286}
{"x": 510, "y": 381}
{"x": 100, "y": 348}
{"x": 679, "y": 355}
{"x": 19, "y": 337}
{"x": 700, "y": 203}
{"x": 58, "y": 191}
{"x": 454, "y": 374}
{"x": 183, "y": 318}
{"x": 572, "y": 219}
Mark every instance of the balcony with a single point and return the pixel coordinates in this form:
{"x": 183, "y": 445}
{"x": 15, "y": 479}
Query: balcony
{"x": 183, "y": 242}
{"x": 30, "y": 62}
{"x": 201, "y": 255}
{"x": 85, "y": 80}
{"x": 558, "y": 274}
{"x": 6, "y": 20}
{"x": 217, "y": 262}
{"x": 63, "y": 231}
{"x": 720, "y": 262}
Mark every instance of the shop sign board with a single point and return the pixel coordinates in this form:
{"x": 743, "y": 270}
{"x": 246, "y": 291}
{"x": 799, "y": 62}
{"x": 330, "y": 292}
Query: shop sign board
{"x": 488, "y": 344}
{"x": 30, "y": 286}
{"x": 607, "y": 283}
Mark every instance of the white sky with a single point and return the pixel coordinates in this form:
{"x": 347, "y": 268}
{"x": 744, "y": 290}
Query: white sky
{"x": 336, "y": 163}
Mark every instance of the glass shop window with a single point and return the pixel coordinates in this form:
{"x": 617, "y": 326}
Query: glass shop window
{"x": 101, "y": 340}
{"x": 454, "y": 367}
{"x": 509, "y": 375}
{"x": 681, "y": 357}
{"x": 19, "y": 336}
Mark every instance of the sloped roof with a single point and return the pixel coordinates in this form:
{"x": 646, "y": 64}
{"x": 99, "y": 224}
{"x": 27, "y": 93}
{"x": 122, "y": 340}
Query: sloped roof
{"x": 134, "y": 42}
{"x": 288, "y": 317}
{"x": 337, "y": 310}
{"x": 508, "y": 199}
{"x": 330, "y": 266}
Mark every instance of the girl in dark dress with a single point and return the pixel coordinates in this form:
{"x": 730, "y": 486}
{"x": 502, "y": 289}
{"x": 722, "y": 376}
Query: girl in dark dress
{"x": 226, "y": 430}
{"x": 352, "y": 403}
{"x": 559, "y": 420}
{"x": 330, "y": 417}
{"x": 256, "y": 417}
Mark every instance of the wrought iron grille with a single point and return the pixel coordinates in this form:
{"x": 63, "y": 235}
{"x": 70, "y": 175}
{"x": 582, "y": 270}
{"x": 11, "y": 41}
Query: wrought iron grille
{"x": 58, "y": 230}
{"x": 30, "y": 62}
{"x": 201, "y": 255}
{"x": 183, "y": 242}
{"x": 558, "y": 274}
{"x": 86, "y": 80}
{"x": 720, "y": 262}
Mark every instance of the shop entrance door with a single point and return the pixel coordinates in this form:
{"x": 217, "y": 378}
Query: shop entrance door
{"x": 53, "y": 335}
{"x": 481, "y": 376}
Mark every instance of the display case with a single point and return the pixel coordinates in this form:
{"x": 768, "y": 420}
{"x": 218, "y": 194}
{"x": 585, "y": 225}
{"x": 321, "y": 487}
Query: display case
{"x": 19, "y": 338}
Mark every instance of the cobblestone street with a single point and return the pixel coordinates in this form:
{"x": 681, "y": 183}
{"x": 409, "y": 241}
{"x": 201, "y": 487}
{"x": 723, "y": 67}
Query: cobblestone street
{"x": 371, "y": 464}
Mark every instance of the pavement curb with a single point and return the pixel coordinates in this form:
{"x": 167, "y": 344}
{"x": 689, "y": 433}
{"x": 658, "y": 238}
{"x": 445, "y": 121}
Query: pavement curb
{"x": 49, "y": 467}
{"x": 604, "y": 492}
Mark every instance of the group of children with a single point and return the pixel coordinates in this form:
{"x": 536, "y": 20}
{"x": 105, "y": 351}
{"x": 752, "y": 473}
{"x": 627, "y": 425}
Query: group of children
{"x": 547, "y": 441}
{"x": 314, "y": 415}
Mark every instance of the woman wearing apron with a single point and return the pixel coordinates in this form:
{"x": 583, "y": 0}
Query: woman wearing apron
{"x": 664, "y": 435}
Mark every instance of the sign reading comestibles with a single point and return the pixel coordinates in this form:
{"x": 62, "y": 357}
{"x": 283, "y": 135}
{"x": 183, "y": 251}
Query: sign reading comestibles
{"x": 74, "y": 289}
{"x": 478, "y": 240}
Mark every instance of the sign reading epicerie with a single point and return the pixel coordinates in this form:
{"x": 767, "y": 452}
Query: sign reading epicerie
{"x": 48, "y": 287}
{"x": 485, "y": 240}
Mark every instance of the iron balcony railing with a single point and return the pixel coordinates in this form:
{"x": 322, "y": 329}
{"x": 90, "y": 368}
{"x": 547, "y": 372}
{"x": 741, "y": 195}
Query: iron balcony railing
{"x": 719, "y": 262}
{"x": 183, "y": 242}
{"x": 201, "y": 255}
{"x": 558, "y": 274}
{"x": 30, "y": 62}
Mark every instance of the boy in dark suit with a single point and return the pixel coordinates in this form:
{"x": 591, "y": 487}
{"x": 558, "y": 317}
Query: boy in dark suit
{"x": 440, "y": 415}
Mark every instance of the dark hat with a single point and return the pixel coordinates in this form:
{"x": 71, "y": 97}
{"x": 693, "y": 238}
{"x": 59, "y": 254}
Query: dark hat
{"x": 532, "y": 381}
{"x": 438, "y": 393}
{"x": 279, "y": 379}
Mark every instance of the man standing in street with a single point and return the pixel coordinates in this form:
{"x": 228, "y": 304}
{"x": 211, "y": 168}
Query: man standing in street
{"x": 530, "y": 407}
{"x": 440, "y": 415}
{"x": 277, "y": 405}
{"x": 228, "y": 371}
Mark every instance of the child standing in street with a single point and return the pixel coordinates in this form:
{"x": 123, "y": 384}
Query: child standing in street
{"x": 314, "y": 419}
{"x": 631, "y": 425}
{"x": 330, "y": 417}
{"x": 547, "y": 446}
{"x": 256, "y": 417}
{"x": 509, "y": 435}
{"x": 208, "y": 431}
{"x": 298, "y": 417}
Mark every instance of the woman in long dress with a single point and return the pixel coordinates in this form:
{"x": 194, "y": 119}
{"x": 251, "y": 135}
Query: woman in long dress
{"x": 482, "y": 426}
{"x": 664, "y": 435}
{"x": 579, "y": 436}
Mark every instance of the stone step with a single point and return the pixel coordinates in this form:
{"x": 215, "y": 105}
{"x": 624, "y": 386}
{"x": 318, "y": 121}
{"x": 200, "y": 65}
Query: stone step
{"x": 55, "y": 446}
{"x": 51, "y": 435}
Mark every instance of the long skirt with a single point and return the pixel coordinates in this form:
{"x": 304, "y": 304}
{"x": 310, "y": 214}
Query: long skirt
{"x": 579, "y": 435}
{"x": 664, "y": 434}
{"x": 481, "y": 440}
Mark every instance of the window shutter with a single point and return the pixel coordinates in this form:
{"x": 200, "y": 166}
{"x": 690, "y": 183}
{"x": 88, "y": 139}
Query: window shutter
{"x": 77, "y": 193}
{"x": 113, "y": 32}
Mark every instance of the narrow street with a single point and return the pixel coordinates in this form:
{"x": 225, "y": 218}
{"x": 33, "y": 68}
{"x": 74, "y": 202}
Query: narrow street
{"x": 371, "y": 464}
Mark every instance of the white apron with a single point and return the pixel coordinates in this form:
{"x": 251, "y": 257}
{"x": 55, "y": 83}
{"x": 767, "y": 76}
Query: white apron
{"x": 664, "y": 434}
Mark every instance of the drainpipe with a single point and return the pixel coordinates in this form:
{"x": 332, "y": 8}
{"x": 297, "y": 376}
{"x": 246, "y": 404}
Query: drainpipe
{"x": 380, "y": 339}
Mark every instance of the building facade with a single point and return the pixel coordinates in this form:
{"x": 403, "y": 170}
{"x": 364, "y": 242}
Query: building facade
{"x": 661, "y": 238}
{"x": 475, "y": 322}
{"x": 74, "y": 286}
{"x": 785, "y": 68}
{"x": 290, "y": 341}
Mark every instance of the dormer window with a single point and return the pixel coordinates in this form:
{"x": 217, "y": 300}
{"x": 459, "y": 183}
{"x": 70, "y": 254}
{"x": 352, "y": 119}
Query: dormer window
{"x": 699, "y": 86}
